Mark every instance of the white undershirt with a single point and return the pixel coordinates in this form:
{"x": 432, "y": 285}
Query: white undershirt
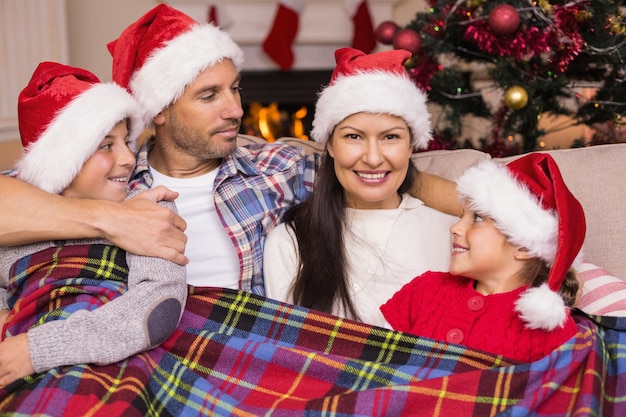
{"x": 212, "y": 256}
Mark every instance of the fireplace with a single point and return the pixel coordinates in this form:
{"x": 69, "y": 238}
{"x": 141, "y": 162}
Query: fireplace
{"x": 278, "y": 103}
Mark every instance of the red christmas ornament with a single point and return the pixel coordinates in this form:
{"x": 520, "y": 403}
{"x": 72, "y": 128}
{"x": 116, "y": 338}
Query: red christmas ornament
{"x": 386, "y": 31}
{"x": 407, "y": 39}
{"x": 504, "y": 20}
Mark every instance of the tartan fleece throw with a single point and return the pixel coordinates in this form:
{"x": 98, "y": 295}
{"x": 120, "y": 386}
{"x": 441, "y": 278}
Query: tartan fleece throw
{"x": 54, "y": 283}
{"x": 237, "y": 354}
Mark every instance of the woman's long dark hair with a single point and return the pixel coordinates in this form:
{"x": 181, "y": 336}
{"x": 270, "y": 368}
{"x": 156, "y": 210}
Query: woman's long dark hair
{"x": 318, "y": 224}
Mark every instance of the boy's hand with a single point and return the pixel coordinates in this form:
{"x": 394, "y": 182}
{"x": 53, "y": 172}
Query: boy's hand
{"x": 15, "y": 362}
{"x": 3, "y": 316}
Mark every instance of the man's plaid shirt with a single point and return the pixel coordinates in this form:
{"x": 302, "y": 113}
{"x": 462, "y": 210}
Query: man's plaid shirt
{"x": 253, "y": 189}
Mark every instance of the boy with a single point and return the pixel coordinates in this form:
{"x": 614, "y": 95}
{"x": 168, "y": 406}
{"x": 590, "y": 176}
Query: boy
{"x": 81, "y": 301}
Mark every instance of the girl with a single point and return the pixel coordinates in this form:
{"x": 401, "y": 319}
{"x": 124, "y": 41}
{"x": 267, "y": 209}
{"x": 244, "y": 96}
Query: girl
{"x": 510, "y": 286}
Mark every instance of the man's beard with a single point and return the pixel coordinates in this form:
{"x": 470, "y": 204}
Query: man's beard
{"x": 200, "y": 145}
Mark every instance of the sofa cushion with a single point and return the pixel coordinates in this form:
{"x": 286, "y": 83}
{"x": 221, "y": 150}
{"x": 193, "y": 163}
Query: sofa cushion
{"x": 603, "y": 293}
{"x": 448, "y": 164}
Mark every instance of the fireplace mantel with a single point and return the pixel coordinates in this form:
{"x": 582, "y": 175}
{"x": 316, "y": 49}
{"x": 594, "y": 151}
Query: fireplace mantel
{"x": 324, "y": 27}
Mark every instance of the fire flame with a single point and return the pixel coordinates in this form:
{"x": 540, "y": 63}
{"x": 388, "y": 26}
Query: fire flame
{"x": 272, "y": 123}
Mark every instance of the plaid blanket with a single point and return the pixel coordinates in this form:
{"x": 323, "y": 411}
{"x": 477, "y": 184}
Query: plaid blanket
{"x": 237, "y": 354}
{"x": 55, "y": 282}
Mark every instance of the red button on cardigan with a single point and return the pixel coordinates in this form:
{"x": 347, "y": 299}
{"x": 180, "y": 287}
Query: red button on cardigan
{"x": 476, "y": 303}
{"x": 454, "y": 336}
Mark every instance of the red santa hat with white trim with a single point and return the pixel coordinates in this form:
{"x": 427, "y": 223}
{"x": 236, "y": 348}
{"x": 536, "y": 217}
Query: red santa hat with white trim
{"x": 163, "y": 52}
{"x": 64, "y": 113}
{"x": 534, "y": 209}
{"x": 372, "y": 83}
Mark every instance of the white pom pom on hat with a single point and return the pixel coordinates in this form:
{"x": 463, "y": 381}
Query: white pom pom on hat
{"x": 373, "y": 83}
{"x": 64, "y": 113}
{"x": 531, "y": 204}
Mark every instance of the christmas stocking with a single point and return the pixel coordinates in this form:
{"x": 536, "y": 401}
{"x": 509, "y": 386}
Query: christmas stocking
{"x": 277, "y": 44}
{"x": 217, "y": 16}
{"x": 364, "y": 37}
{"x": 212, "y": 15}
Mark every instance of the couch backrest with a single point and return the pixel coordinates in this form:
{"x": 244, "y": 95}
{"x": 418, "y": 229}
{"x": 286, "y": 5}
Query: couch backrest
{"x": 596, "y": 175}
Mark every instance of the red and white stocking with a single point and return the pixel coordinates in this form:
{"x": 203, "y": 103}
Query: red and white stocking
{"x": 278, "y": 43}
{"x": 364, "y": 37}
{"x": 217, "y": 16}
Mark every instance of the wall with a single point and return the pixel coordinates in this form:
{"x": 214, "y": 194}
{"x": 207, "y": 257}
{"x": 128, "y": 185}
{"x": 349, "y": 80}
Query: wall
{"x": 405, "y": 11}
{"x": 91, "y": 24}
{"x": 94, "y": 23}
{"x": 9, "y": 152}
{"x": 31, "y": 31}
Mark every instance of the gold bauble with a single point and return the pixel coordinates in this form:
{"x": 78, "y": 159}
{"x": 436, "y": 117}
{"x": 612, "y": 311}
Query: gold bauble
{"x": 410, "y": 63}
{"x": 516, "y": 97}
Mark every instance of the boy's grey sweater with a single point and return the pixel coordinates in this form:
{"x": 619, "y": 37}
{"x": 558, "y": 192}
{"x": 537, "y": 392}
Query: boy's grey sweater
{"x": 141, "y": 318}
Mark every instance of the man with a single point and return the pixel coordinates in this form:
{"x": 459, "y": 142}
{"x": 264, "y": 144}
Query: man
{"x": 186, "y": 77}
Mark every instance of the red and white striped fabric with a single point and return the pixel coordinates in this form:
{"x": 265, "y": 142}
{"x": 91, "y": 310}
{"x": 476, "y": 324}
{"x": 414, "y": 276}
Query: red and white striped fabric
{"x": 279, "y": 41}
{"x": 363, "y": 37}
{"x": 603, "y": 293}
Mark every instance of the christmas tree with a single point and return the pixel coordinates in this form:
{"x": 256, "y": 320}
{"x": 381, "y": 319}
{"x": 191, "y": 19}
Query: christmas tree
{"x": 512, "y": 63}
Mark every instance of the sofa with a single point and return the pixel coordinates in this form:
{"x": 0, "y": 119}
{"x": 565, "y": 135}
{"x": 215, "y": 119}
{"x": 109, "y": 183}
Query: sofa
{"x": 240, "y": 354}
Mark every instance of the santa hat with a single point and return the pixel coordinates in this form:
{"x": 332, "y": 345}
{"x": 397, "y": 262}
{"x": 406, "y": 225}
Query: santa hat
{"x": 533, "y": 207}
{"x": 163, "y": 52}
{"x": 64, "y": 113}
{"x": 374, "y": 83}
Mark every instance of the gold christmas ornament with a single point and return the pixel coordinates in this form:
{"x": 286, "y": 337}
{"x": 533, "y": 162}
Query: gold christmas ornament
{"x": 616, "y": 25}
{"x": 545, "y": 5}
{"x": 474, "y": 3}
{"x": 410, "y": 63}
{"x": 516, "y": 97}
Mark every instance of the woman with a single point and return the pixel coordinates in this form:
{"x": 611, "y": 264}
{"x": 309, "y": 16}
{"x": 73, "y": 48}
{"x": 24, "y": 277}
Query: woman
{"x": 360, "y": 236}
